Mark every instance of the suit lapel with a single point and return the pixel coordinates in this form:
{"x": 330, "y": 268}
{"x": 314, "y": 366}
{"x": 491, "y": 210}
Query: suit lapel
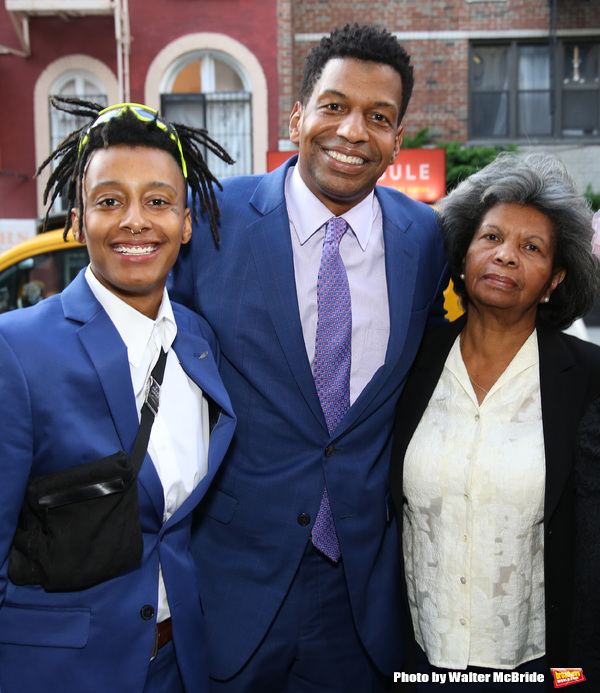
{"x": 108, "y": 355}
{"x": 563, "y": 389}
{"x": 192, "y": 352}
{"x": 273, "y": 257}
{"x": 401, "y": 265}
{"x": 200, "y": 368}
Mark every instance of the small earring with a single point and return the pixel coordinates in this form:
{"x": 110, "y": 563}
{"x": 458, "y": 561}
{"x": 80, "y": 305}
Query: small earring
{"x": 462, "y": 276}
{"x": 546, "y": 299}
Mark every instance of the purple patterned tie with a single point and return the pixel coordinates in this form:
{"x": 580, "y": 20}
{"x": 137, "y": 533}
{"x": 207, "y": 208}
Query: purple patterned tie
{"x": 332, "y": 361}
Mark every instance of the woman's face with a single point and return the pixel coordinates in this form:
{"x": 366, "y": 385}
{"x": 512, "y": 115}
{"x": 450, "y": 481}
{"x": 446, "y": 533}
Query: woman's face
{"x": 509, "y": 262}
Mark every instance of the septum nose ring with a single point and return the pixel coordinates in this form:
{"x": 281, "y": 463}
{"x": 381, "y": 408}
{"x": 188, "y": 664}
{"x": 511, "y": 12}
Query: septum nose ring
{"x": 136, "y": 233}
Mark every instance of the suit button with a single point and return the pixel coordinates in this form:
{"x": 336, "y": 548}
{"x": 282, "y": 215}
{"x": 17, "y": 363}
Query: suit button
{"x": 329, "y": 450}
{"x": 147, "y": 612}
{"x": 303, "y": 519}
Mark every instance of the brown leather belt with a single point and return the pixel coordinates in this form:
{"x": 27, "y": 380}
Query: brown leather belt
{"x": 162, "y": 635}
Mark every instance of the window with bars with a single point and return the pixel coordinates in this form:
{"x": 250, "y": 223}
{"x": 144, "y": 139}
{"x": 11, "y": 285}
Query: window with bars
{"x": 206, "y": 91}
{"x": 226, "y": 116}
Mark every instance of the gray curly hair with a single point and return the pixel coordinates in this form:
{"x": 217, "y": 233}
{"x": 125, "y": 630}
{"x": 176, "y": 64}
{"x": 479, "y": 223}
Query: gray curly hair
{"x": 538, "y": 180}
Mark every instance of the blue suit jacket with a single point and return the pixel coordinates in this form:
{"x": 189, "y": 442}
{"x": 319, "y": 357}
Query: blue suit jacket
{"x": 67, "y": 399}
{"x": 257, "y": 520}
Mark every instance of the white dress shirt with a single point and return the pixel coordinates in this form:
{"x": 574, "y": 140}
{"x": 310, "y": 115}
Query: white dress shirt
{"x": 474, "y": 479}
{"x": 363, "y": 253}
{"x": 179, "y": 438}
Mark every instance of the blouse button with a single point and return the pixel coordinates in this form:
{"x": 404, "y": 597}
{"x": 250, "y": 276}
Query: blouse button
{"x": 463, "y": 580}
{"x": 462, "y": 621}
{"x": 476, "y": 417}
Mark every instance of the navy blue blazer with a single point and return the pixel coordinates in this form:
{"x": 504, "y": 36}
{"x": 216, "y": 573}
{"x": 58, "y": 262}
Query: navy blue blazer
{"x": 257, "y": 520}
{"x": 67, "y": 399}
{"x": 569, "y": 380}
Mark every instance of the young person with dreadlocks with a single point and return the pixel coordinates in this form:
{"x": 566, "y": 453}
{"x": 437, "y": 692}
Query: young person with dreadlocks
{"x": 92, "y": 599}
{"x": 298, "y": 546}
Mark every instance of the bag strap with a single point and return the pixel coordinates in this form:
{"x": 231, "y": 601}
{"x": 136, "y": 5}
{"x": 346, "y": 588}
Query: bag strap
{"x": 149, "y": 409}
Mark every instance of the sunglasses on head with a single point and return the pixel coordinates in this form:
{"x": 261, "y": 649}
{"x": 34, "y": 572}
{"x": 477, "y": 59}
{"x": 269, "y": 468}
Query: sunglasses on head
{"x": 141, "y": 112}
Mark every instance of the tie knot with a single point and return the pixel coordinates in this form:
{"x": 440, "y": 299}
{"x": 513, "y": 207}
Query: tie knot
{"x": 336, "y": 228}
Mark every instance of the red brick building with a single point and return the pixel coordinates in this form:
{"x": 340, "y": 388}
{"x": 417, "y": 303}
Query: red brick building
{"x": 209, "y": 62}
{"x": 487, "y": 71}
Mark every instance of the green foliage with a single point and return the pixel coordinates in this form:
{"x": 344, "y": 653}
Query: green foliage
{"x": 421, "y": 139}
{"x": 461, "y": 161}
{"x": 592, "y": 197}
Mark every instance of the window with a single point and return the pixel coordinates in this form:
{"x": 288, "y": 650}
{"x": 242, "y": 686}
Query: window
{"x": 581, "y": 89}
{"x": 208, "y": 90}
{"x": 533, "y": 91}
{"x": 39, "y": 276}
{"x": 85, "y": 86}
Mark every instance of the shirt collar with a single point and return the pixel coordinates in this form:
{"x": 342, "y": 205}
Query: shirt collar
{"x": 526, "y": 357}
{"x": 135, "y": 329}
{"x": 308, "y": 214}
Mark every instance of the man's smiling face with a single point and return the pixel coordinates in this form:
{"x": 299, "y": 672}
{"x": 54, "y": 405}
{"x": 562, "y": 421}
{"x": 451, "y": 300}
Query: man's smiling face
{"x": 348, "y": 131}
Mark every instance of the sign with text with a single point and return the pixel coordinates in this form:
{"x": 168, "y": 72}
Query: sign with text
{"x": 418, "y": 173}
{"x": 15, "y": 230}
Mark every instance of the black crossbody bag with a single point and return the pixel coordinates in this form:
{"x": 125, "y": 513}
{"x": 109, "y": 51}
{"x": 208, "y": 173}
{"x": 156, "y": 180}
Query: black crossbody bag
{"x": 81, "y": 526}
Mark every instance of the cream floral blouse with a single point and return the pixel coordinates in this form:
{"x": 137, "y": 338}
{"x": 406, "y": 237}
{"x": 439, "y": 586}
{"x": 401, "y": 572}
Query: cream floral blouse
{"x": 474, "y": 480}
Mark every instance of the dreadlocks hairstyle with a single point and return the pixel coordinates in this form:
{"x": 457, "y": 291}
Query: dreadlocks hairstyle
{"x": 129, "y": 128}
{"x": 362, "y": 43}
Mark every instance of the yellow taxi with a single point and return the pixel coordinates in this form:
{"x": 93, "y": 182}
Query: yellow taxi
{"x": 37, "y": 268}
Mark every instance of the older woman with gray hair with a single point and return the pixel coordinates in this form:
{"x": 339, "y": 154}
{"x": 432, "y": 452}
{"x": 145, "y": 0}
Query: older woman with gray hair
{"x": 482, "y": 463}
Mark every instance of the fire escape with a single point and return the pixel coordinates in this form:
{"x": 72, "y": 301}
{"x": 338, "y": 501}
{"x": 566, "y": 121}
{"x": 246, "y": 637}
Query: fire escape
{"x": 21, "y": 11}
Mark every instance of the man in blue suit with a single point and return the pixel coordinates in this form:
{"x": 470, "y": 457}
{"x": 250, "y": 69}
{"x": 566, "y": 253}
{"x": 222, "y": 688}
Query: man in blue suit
{"x": 285, "y": 611}
{"x": 73, "y": 375}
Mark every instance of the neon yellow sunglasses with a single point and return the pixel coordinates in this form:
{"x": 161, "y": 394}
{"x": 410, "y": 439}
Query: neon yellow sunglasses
{"x": 141, "y": 112}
